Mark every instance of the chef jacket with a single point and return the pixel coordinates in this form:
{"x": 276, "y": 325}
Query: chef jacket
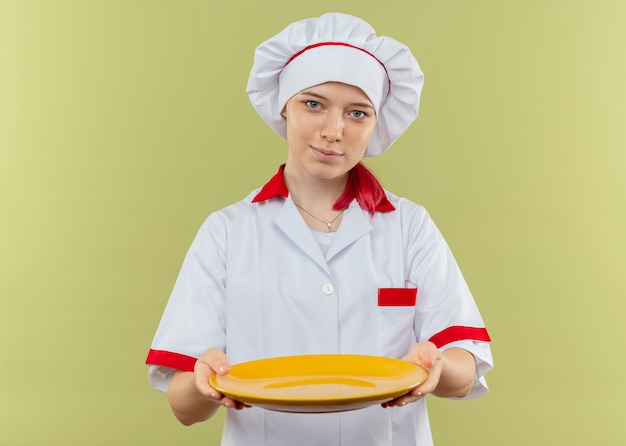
{"x": 255, "y": 284}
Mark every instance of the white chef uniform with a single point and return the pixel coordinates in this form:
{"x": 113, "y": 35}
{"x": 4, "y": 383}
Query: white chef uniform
{"x": 255, "y": 284}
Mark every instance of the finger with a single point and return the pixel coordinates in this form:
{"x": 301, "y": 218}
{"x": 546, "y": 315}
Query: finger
{"x": 431, "y": 382}
{"x": 232, "y": 404}
{"x": 222, "y": 367}
{"x": 425, "y": 388}
{"x": 428, "y": 358}
{"x": 239, "y": 405}
{"x": 211, "y": 361}
{"x": 424, "y": 354}
{"x": 404, "y": 399}
{"x": 217, "y": 361}
{"x": 202, "y": 376}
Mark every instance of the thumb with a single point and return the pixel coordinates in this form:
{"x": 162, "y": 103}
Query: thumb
{"x": 222, "y": 367}
{"x": 217, "y": 361}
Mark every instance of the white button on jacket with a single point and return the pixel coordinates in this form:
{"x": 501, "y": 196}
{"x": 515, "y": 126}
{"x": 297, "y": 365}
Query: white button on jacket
{"x": 328, "y": 289}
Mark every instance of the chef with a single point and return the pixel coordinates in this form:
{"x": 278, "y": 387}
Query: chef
{"x": 322, "y": 259}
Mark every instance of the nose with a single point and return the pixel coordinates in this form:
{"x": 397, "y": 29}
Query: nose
{"x": 332, "y": 127}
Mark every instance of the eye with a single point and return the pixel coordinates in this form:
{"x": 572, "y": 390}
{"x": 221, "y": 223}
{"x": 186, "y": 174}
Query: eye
{"x": 313, "y": 104}
{"x": 358, "y": 114}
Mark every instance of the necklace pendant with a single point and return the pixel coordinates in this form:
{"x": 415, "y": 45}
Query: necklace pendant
{"x": 330, "y": 229}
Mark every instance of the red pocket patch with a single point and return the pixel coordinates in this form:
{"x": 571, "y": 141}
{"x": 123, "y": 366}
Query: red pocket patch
{"x": 397, "y": 297}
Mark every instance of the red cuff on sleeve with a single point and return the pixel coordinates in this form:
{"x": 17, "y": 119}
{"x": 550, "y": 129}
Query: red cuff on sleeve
{"x": 173, "y": 360}
{"x": 459, "y": 333}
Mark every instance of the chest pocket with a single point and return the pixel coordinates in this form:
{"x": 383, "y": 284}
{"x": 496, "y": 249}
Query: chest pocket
{"x": 396, "y": 314}
{"x": 397, "y": 297}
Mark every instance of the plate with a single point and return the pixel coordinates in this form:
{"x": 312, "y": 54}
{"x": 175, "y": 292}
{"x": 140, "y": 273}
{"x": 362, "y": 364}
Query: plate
{"x": 319, "y": 383}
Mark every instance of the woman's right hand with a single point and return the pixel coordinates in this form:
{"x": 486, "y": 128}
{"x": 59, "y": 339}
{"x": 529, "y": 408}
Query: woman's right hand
{"x": 213, "y": 361}
{"x": 190, "y": 395}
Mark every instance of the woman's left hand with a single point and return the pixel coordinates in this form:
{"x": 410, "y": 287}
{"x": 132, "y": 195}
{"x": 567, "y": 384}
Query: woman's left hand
{"x": 427, "y": 355}
{"x": 451, "y": 374}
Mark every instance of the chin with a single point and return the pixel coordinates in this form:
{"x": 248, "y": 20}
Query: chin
{"x": 328, "y": 172}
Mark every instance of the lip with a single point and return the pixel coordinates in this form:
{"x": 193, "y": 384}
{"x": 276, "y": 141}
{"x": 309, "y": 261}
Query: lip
{"x": 325, "y": 153}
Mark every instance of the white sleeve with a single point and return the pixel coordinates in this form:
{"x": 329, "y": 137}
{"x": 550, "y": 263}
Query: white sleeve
{"x": 446, "y": 312}
{"x": 160, "y": 377}
{"x": 193, "y": 320}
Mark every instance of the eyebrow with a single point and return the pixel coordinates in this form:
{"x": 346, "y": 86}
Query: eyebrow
{"x": 354, "y": 104}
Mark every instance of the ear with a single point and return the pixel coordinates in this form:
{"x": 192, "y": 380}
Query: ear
{"x": 283, "y": 112}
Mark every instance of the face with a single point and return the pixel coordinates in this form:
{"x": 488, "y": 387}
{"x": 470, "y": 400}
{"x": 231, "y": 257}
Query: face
{"x": 328, "y": 129}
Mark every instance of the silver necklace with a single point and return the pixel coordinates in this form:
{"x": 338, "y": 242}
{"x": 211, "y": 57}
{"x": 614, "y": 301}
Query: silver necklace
{"x": 327, "y": 223}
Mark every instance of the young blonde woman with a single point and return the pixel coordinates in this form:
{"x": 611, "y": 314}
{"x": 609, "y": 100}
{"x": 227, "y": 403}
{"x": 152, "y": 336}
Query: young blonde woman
{"x": 322, "y": 259}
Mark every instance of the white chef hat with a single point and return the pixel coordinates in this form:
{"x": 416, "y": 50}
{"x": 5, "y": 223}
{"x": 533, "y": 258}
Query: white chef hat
{"x": 341, "y": 48}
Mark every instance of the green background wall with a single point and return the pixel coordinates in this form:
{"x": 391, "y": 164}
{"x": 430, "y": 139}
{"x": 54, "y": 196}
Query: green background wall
{"x": 124, "y": 123}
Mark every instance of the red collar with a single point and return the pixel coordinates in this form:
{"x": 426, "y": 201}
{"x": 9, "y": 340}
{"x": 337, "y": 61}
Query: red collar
{"x": 276, "y": 187}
